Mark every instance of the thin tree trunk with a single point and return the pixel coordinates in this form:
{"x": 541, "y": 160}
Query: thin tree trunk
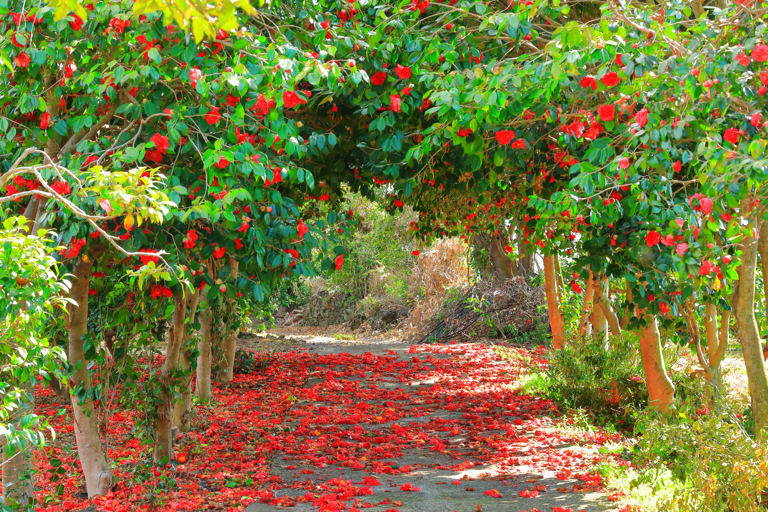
{"x": 556, "y": 318}
{"x": 762, "y": 249}
{"x": 599, "y": 323}
{"x": 717, "y": 342}
{"x": 226, "y": 364}
{"x": 608, "y": 313}
{"x": 661, "y": 391}
{"x": 502, "y": 264}
{"x": 585, "y": 326}
{"x": 203, "y": 389}
{"x": 18, "y": 468}
{"x": 749, "y": 335}
{"x": 98, "y": 475}
{"x": 625, "y": 315}
{"x": 183, "y": 408}
{"x": 164, "y": 421}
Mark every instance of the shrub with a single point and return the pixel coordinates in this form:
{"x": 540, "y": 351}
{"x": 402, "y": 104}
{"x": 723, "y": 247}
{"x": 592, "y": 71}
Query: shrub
{"x": 718, "y": 466}
{"x": 586, "y": 373}
{"x": 248, "y": 361}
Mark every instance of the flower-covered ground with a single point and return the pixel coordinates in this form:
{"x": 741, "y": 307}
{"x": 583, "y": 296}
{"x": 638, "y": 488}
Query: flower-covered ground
{"x": 356, "y": 427}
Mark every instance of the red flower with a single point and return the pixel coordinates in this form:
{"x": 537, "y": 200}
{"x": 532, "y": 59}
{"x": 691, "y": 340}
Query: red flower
{"x": 45, "y": 120}
{"x": 76, "y": 23}
{"x": 743, "y": 59}
{"x": 705, "y": 268}
{"x": 755, "y": 120}
{"x": 222, "y": 163}
{"x": 681, "y": 248}
{"x": 505, "y": 136}
{"x": 147, "y": 259}
{"x": 61, "y": 188}
{"x": 394, "y": 103}
{"x": 641, "y": 118}
{"x": 22, "y": 60}
{"x": 402, "y": 72}
{"x": 339, "y": 262}
{"x": 213, "y": 116}
{"x": 705, "y": 204}
{"x": 652, "y": 238}
{"x": 618, "y": 60}
{"x": 291, "y": 99}
{"x": 760, "y": 53}
{"x": 663, "y": 308}
{"x": 218, "y": 253}
{"x": 607, "y": 112}
{"x": 575, "y": 287}
{"x": 624, "y": 163}
{"x": 732, "y": 135}
{"x": 493, "y": 493}
{"x": 379, "y": 78}
{"x": 232, "y": 101}
{"x": 528, "y": 494}
{"x": 610, "y": 79}
{"x": 262, "y": 106}
{"x": 161, "y": 142}
{"x": 398, "y": 204}
{"x": 589, "y": 81}
{"x": 464, "y": 132}
{"x": 302, "y": 229}
{"x": 194, "y": 75}
{"x": 118, "y": 25}
{"x": 409, "y": 487}
{"x": 677, "y": 166}
{"x": 415, "y": 253}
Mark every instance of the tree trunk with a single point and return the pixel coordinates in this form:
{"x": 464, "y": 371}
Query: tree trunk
{"x": 716, "y": 346}
{"x": 203, "y": 389}
{"x": 183, "y": 408}
{"x": 661, "y": 391}
{"x": 502, "y": 264}
{"x": 164, "y": 422}
{"x": 599, "y": 323}
{"x": 98, "y": 475}
{"x": 18, "y": 481}
{"x": 749, "y": 335}
{"x": 556, "y": 318}
{"x": 601, "y": 299}
{"x": 585, "y": 326}
{"x": 226, "y": 362}
{"x": 762, "y": 249}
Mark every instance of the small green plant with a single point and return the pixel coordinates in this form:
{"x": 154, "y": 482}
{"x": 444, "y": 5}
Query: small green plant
{"x": 340, "y": 337}
{"x": 248, "y": 361}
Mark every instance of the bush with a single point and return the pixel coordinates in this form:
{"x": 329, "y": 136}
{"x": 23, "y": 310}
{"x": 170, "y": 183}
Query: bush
{"x": 248, "y": 361}
{"x": 586, "y": 373}
{"x": 714, "y": 462}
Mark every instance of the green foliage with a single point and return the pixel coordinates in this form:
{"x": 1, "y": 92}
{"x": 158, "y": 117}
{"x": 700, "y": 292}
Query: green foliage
{"x": 717, "y": 465}
{"x": 249, "y": 361}
{"x": 586, "y": 373}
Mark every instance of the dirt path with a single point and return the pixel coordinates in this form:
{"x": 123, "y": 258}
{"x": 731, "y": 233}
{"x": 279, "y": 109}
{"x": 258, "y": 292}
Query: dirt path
{"x": 392, "y": 427}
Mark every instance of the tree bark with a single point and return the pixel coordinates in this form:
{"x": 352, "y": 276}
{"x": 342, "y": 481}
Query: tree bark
{"x": 18, "y": 468}
{"x": 183, "y": 408}
{"x": 226, "y": 364}
{"x": 749, "y": 335}
{"x": 203, "y": 389}
{"x": 556, "y": 318}
{"x": 502, "y": 264}
{"x": 98, "y": 475}
{"x": 164, "y": 420}
{"x": 599, "y": 323}
{"x": 585, "y": 326}
{"x": 661, "y": 391}
{"x": 608, "y": 313}
{"x": 762, "y": 249}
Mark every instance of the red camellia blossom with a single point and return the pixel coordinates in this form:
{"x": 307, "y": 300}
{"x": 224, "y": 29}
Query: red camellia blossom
{"x": 403, "y": 72}
{"x": 624, "y": 163}
{"x": 218, "y": 253}
{"x": 755, "y": 120}
{"x": 379, "y": 78}
{"x": 641, "y": 118}
{"x": 663, "y": 308}
{"x": 61, "y": 188}
{"x": 161, "y": 142}
{"x": 77, "y": 22}
{"x": 576, "y": 287}
{"x": 395, "y": 103}
{"x": 118, "y": 25}
{"x": 291, "y": 99}
{"x": 677, "y": 166}
{"x": 610, "y": 79}
{"x": 589, "y": 81}
{"x": 681, "y": 248}
{"x": 45, "y": 120}
{"x": 263, "y": 106}
{"x": 743, "y": 60}
{"x": 194, "y": 75}
{"x": 731, "y": 135}
{"x": 213, "y": 116}
{"x": 339, "y": 262}
{"x": 398, "y": 204}
{"x": 607, "y": 112}
{"x": 705, "y": 204}
{"x": 416, "y": 253}
{"x": 146, "y": 260}
{"x": 302, "y": 229}
{"x": 760, "y": 53}
{"x": 705, "y": 268}
{"x": 22, "y": 60}
{"x": 505, "y": 136}
{"x": 652, "y": 238}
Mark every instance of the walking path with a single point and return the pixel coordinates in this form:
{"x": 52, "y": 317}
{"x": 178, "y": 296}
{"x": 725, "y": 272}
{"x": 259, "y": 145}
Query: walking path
{"x": 394, "y": 427}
